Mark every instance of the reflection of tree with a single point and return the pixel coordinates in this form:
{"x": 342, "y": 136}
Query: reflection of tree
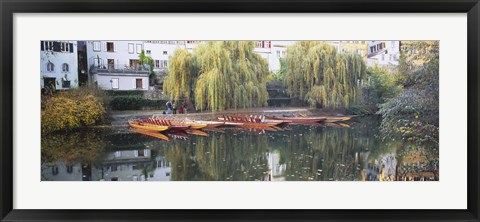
{"x": 80, "y": 146}
{"x": 219, "y": 157}
{"x": 330, "y": 153}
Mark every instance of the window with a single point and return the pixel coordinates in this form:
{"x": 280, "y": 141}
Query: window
{"x": 65, "y": 67}
{"x": 131, "y": 48}
{"x": 134, "y": 63}
{"x": 165, "y": 52}
{"x": 50, "y": 67}
{"x": 163, "y": 64}
{"x": 64, "y": 47}
{"x": 110, "y": 47}
{"x": 149, "y": 52}
{"x": 97, "y": 46}
{"x": 111, "y": 63}
{"x": 118, "y": 154}
{"x": 48, "y": 46}
{"x": 114, "y": 83}
{"x": 139, "y": 48}
{"x": 278, "y": 54}
{"x": 139, "y": 85}
{"x": 157, "y": 63}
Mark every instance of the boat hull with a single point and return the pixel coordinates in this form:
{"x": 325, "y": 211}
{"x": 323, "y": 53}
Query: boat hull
{"x": 146, "y": 126}
{"x": 303, "y": 120}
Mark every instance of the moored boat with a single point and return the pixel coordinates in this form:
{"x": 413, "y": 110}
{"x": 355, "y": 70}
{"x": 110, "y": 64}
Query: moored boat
{"x": 250, "y": 122}
{"x": 331, "y": 119}
{"x": 147, "y": 126}
{"x": 210, "y": 124}
{"x": 171, "y": 126}
{"x": 300, "y": 120}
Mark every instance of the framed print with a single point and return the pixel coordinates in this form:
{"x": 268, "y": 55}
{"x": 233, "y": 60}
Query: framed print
{"x": 269, "y": 110}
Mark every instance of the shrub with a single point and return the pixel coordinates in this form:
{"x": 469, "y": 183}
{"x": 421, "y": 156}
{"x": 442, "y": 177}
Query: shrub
{"x": 135, "y": 103}
{"x": 71, "y": 109}
{"x": 115, "y": 93}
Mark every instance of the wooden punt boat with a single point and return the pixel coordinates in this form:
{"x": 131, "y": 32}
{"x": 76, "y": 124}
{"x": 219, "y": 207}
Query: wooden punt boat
{"x": 146, "y": 126}
{"x": 151, "y": 133}
{"x": 331, "y": 119}
{"x": 173, "y": 126}
{"x": 174, "y": 122}
{"x": 249, "y": 122}
{"x": 192, "y": 125}
{"x": 300, "y": 120}
{"x": 210, "y": 124}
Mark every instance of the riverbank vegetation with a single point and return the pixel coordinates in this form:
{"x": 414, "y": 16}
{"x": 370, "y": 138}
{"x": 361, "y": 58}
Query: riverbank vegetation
{"x": 218, "y": 76}
{"x": 413, "y": 115}
{"x": 71, "y": 109}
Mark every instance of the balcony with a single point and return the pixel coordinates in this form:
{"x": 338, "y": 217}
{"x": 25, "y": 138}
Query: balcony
{"x": 119, "y": 69}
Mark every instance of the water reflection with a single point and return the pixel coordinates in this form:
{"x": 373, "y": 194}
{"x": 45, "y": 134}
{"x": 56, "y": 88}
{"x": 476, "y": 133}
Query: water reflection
{"x": 303, "y": 153}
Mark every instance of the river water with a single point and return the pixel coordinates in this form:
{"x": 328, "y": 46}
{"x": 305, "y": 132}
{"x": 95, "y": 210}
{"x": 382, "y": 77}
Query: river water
{"x": 348, "y": 152}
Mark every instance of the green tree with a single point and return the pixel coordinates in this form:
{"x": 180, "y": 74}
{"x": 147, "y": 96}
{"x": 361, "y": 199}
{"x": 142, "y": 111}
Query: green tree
{"x": 145, "y": 60}
{"x": 413, "y": 116}
{"x": 219, "y": 75}
{"x": 319, "y": 75}
{"x": 182, "y": 73}
{"x": 383, "y": 84}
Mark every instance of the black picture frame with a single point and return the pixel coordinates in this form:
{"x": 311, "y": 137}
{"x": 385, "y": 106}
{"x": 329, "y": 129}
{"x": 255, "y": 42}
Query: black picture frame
{"x": 9, "y": 7}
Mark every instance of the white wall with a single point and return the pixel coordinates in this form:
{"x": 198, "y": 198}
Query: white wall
{"x": 58, "y": 58}
{"x": 121, "y": 53}
{"x": 125, "y": 82}
{"x": 162, "y": 51}
{"x": 389, "y": 58}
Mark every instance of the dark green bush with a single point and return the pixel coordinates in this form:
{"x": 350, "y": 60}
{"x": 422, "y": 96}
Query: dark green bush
{"x": 114, "y": 93}
{"x": 135, "y": 103}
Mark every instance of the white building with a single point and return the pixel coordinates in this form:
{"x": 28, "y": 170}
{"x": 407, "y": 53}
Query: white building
{"x": 58, "y": 64}
{"x": 160, "y": 51}
{"x": 273, "y": 51}
{"x": 383, "y": 53}
{"x": 115, "y": 65}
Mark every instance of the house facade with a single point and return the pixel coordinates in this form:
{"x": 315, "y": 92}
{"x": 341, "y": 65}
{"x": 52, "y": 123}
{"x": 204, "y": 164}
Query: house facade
{"x": 115, "y": 65}
{"x": 58, "y": 65}
{"x": 383, "y": 53}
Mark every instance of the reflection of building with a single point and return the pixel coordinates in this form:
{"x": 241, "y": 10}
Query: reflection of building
{"x": 383, "y": 53}
{"x": 120, "y": 165}
{"x": 127, "y": 165}
{"x": 115, "y": 65}
{"x": 277, "y": 169}
{"x": 58, "y": 64}
{"x": 382, "y": 169}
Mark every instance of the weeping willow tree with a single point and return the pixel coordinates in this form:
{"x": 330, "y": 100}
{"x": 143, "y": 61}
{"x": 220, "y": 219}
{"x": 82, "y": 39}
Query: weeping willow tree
{"x": 182, "y": 72}
{"x": 220, "y": 75}
{"x": 319, "y": 75}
